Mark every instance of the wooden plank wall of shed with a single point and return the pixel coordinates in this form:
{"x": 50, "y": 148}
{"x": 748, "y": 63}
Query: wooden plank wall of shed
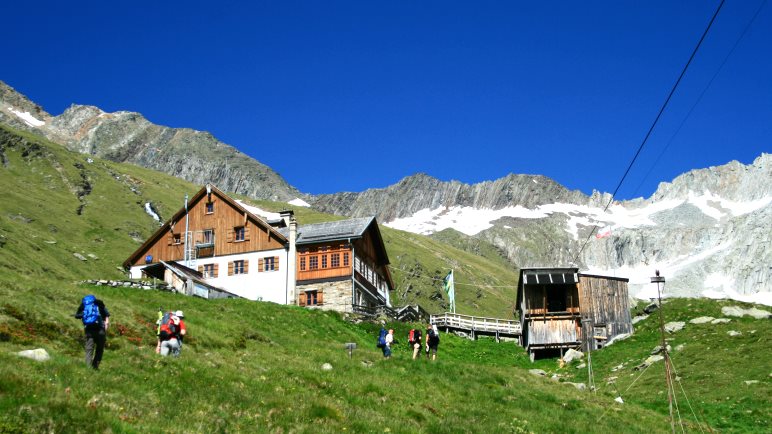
{"x": 553, "y": 331}
{"x": 604, "y": 301}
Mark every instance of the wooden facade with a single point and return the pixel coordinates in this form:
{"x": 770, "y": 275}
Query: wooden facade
{"x": 217, "y": 226}
{"x": 342, "y": 265}
{"x": 561, "y": 308}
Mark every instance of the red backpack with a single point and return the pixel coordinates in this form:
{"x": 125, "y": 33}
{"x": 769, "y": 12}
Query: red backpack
{"x": 168, "y": 329}
{"x": 411, "y": 336}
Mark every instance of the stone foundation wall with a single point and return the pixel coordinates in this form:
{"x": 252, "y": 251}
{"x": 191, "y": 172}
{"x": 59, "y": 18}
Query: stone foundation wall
{"x": 337, "y": 295}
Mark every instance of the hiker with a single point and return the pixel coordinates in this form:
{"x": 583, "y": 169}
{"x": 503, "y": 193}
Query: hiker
{"x": 432, "y": 341}
{"x": 414, "y": 338}
{"x": 382, "y": 340}
{"x": 170, "y": 334}
{"x": 96, "y": 320}
{"x": 389, "y": 341}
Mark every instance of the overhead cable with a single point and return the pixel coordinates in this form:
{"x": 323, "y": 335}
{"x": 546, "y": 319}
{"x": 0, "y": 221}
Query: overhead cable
{"x": 651, "y": 128}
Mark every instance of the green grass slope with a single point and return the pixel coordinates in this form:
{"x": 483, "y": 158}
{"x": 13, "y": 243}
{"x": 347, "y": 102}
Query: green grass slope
{"x": 256, "y": 367}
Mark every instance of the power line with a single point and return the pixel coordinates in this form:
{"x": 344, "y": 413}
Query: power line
{"x": 654, "y": 124}
{"x": 699, "y": 98}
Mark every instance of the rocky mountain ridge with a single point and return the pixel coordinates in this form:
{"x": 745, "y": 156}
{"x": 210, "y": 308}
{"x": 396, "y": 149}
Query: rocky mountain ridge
{"x": 709, "y": 229}
{"x": 195, "y": 156}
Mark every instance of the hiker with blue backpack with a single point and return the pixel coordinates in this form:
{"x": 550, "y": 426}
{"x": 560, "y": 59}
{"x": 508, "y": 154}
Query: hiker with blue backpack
{"x": 96, "y": 320}
{"x": 385, "y": 339}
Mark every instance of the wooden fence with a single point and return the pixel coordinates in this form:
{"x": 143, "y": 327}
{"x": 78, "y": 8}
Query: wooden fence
{"x": 477, "y": 324}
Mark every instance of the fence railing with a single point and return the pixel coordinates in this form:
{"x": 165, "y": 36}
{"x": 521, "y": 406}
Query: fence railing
{"x": 477, "y": 323}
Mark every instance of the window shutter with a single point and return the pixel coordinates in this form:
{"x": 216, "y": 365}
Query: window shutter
{"x": 260, "y": 265}
{"x": 246, "y": 233}
{"x": 276, "y": 262}
{"x": 320, "y": 298}
{"x": 246, "y": 266}
{"x": 229, "y": 235}
{"x": 302, "y": 299}
{"x": 216, "y": 266}
{"x": 230, "y": 268}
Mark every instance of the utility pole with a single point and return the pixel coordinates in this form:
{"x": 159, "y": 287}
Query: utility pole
{"x": 668, "y": 375}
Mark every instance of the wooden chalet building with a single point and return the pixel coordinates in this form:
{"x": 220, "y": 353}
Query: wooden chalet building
{"x": 228, "y": 250}
{"x": 342, "y": 265}
{"x": 232, "y": 248}
{"x": 561, "y": 308}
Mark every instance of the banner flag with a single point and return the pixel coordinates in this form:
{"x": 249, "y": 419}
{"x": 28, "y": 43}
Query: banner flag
{"x": 450, "y": 289}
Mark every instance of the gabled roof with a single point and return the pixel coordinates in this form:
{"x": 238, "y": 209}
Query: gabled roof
{"x": 202, "y": 193}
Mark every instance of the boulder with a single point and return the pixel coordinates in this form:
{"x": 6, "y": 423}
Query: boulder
{"x": 733, "y": 333}
{"x": 749, "y": 382}
{"x": 579, "y": 386}
{"x": 571, "y": 355}
{"x": 639, "y": 318}
{"x": 701, "y": 320}
{"x": 658, "y": 349}
{"x": 38, "y": 354}
{"x": 720, "y": 321}
{"x": 79, "y": 256}
{"x": 537, "y": 372}
{"x": 651, "y": 308}
{"x": 649, "y": 361}
{"x": 581, "y": 366}
{"x": 619, "y": 337}
{"x": 739, "y": 312}
{"x": 674, "y": 326}
{"x": 327, "y": 367}
{"x": 619, "y": 400}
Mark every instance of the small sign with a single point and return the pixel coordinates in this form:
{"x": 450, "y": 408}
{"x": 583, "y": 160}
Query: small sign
{"x": 350, "y": 346}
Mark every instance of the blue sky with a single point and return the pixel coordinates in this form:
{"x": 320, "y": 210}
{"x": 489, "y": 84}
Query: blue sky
{"x": 345, "y": 96}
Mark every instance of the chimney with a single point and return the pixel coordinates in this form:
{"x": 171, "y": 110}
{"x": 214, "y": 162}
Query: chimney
{"x": 287, "y": 215}
{"x": 289, "y": 220}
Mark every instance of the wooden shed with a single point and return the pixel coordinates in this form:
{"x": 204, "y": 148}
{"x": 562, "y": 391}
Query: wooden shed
{"x": 561, "y": 308}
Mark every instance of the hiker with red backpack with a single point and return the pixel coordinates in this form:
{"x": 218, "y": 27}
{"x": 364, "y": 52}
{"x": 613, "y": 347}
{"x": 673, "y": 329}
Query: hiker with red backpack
{"x": 170, "y": 333}
{"x": 96, "y": 320}
{"x": 414, "y": 341}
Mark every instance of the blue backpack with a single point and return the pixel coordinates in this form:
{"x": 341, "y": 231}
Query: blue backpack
{"x": 382, "y": 338}
{"x": 90, "y": 310}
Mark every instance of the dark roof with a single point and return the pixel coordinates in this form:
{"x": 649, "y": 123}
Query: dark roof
{"x": 331, "y": 231}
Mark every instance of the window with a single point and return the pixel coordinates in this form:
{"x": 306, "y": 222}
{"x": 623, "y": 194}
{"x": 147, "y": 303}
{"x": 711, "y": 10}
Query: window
{"x": 238, "y": 233}
{"x": 177, "y": 238}
{"x": 210, "y": 207}
{"x": 269, "y": 264}
{"x": 238, "y": 267}
{"x": 302, "y": 264}
{"x": 207, "y": 237}
{"x": 335, "y": 260}
{"x": 324, "y": 261}
{"x": 311, "y": 298}
{"x": 209, "y": 270}
{"x": 345, "y": 259}
{"x": 313, "y": 262}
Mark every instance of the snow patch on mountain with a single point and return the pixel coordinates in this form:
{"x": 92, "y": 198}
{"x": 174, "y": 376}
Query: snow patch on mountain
{"x": 299, "y": 202}
{"x": 27, "y": 118}
{"x": 472, "y": 221}
{"x": 267, "y": 215}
